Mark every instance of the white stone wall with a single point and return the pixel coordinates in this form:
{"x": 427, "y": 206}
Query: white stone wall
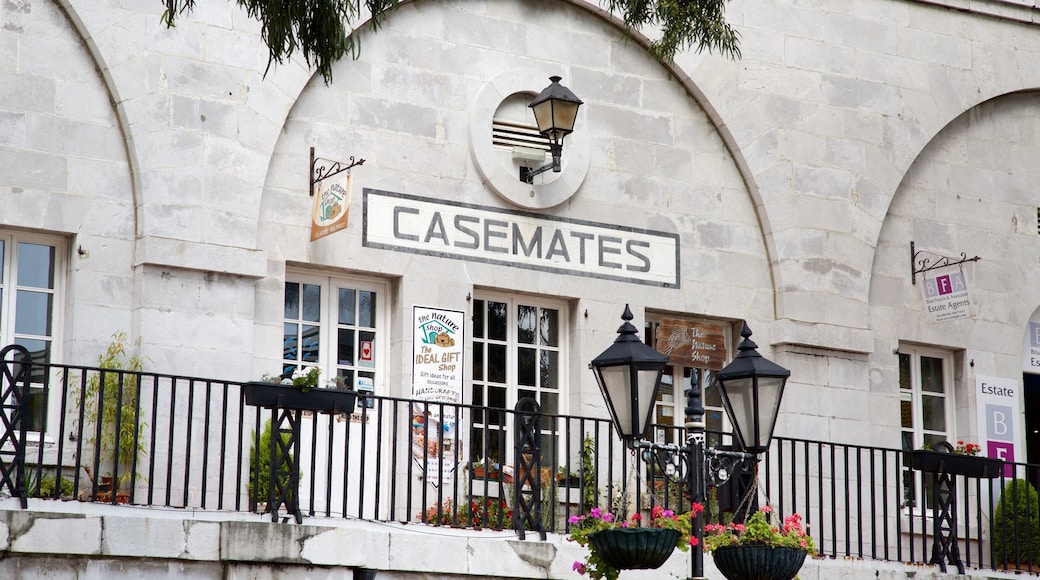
{"x": 795, "y": 176}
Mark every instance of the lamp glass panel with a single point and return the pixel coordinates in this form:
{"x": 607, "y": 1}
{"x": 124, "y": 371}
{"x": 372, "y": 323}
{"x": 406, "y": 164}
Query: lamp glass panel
{"x": 648, "y": 384}
{"x": 543, "y": 115}
{"x": 738, "y": 399}
{"x": 564, "y": 115}
{"x": 770, "y": 391}
{"x": 616, "y": 384}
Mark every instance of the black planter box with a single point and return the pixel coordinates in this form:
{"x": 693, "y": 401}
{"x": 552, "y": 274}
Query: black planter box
{"x": 276, "y": 396}
{"x": 635, "y": 548}
{"x": 955, "y": 463}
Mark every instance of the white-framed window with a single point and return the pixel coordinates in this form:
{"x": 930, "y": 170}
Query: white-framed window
{"x": 32, "y": 281}
{"x": 926, "y": 406}
{"x": 338, "y": 324}
{"x": 519, "y": 347}
{"x": 670, "y": 407}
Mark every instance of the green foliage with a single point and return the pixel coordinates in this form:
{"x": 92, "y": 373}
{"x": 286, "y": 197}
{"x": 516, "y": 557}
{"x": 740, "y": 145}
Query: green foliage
{"x": 317, "y": 28}
{"x": 322, "y": 29}
{"x": 589, "y": 492}
{"x": 260, "y": 475}
{"x": 684, "y": 23}
{"x": 478, "y": 513}
{"x": 1016, "y": 525}
{"x": 111, "y": 400}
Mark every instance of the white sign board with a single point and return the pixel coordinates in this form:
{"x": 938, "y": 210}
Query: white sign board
{"x": 519, "y": 239}
{"x": 945, "y": 293}
{"x": 999, "y": 421}
{"x": 437, "y": 376}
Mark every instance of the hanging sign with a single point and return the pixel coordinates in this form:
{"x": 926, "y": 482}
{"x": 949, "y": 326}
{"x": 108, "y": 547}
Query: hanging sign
{"x": 437, "y": 377}
{"x": 331, "y": 206}
{"x": 1031, "y": 354}
{"x": 945, "y": 294}
{"x": 690, "y": 343}
{"x": 998, "y": 402}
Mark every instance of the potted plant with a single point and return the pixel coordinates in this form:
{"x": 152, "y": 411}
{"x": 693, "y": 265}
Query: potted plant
{"x": 1016, "y": 527}
{"x": 759, "y": 550}
{"x": 111, "y": 404}
{"x": 633, "y": 544}
{"x": 301, "y": 390}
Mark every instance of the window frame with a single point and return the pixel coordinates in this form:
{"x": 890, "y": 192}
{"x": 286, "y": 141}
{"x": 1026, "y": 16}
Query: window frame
{"x": 511, "y": 383}
{"x": 916, "y": 395}
{"x": 8, "y": 310}
{"x": 328, "y": 325}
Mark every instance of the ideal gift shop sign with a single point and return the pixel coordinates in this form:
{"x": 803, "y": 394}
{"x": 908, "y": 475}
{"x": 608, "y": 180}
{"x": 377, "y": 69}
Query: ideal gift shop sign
{"x": 433, "y": 227}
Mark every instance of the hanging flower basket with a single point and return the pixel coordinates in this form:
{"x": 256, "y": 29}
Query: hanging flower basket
{"x": 635, "y": 548}
{"x": 751, "y": 562}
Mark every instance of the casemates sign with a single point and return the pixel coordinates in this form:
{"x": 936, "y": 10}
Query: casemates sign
{"x": 420, "y": 225}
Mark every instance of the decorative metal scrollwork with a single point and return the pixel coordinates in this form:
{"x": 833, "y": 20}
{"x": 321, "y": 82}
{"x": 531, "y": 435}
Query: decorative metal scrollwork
{"x": 320, "y": 172}
{"x": 920, "y": 264}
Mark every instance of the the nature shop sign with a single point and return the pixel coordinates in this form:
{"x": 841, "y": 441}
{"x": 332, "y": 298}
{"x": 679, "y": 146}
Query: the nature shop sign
{"x": 691, "y": 343}
{"x": 521, "y": 239}
{"x": 437, "y": 376}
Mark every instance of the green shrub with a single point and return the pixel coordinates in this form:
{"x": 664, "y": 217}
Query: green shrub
{"x": 259, "y": 475}
{"x": 1016, "y": 525}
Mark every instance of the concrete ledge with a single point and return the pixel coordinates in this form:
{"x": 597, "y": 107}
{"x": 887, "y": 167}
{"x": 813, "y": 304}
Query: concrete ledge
{"x": 188, "y": 255}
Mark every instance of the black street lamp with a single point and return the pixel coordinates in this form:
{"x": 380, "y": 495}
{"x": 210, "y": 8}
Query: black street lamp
{"x": 751, "y": 388}
{"x": 629, "y": 375}
{"x": 555, "y": 111}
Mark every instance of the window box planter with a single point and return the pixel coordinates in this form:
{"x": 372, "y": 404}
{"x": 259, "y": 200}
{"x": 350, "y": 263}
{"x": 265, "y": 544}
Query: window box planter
{"x": 635, "y": 548}
{"x": 278, "y": 396}
{"x": 761, "y": 562}
{"x": 955, "y": 464}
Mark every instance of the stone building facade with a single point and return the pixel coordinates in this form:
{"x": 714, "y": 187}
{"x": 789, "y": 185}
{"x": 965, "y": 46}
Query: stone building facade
{"x": 154, "y": 181}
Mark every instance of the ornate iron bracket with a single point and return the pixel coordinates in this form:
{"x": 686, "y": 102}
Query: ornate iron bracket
{"x": 320, "y": 172}
{"x": 924, "y": 264}
{"x": 676, "y": 462}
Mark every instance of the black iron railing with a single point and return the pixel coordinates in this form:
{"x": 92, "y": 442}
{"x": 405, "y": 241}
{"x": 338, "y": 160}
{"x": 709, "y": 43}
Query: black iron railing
{"x": 186, "y": 442}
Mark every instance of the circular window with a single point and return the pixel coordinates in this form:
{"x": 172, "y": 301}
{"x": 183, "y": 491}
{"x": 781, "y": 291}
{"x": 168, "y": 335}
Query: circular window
{"x": 505, "y": 143}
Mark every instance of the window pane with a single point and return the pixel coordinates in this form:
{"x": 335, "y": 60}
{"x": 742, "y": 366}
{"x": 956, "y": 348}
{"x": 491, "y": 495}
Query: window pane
{"x": 310, "y": 347}
{"x": 933, "y": 413}
{"x": 39, "y": 353}
{"x": 311, "y": 303}
{"x": 345, "y": 346}
{"x": 367, "y": 348}
{"x": 904, "y": 372}
{"x": 550, "y": 369}
{"x": 550, "y": 404}
{"x": 292, "y": 300}
{"x": 525, "y": 366}
{"x": 478, "y": 363}
{"x": 366, "y": 309}
{"x": 906, "y": 411}
{"x": 346, "y": 306}
{"x": 550, "y": 327}
{"x": 290, "y": 342}
{"x": 32, "y": 313}
{"x": 35, "y": 266}
{"x": 526, "y": 319}
{"x": 497, "y": 324}
{"x": 478, "y": 319}
{"x": 497, "y": 363}
{"x": 931, "y": 374}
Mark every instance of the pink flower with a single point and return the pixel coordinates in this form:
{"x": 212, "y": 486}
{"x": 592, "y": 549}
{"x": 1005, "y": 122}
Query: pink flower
{"x": 579, "y": 567}
{"x": 637, "y": 517}
{"x": 766, "y": 509}
{"x": 575, "y": 519}
{"x": 656, "y": 512}
{"x": 694, "y": 541}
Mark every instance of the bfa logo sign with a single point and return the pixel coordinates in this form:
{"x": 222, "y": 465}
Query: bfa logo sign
{"x": 947, "y": 284}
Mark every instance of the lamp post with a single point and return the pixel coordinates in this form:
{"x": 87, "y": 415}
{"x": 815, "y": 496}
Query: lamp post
{"x": 555, "y": 111}
{"x": 629, "y": 376}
